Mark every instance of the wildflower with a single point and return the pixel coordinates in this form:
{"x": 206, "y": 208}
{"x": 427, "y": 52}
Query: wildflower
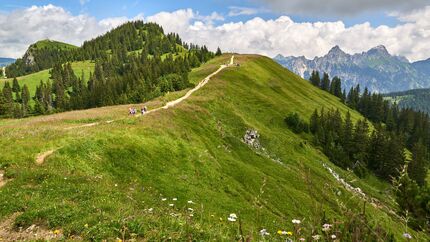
{"x": 316, "y": 237}
{"x": 289, "y": 233}
{"x": 191, "y": 215}
{"x": 326, "y": 227}
{"x": 86, "y": 225}
{"x": 232, "y": 217}
{"x": 264, "y": 232}
{"x": 56, "y": 231}
{"x": 302, "y": 239}
{"x": 116, "y": 185}
{"x": 407, "y": 236}
{"x": 296, "y": 221}
{"x": 190, "y": 209}
{"x": 150, "y": 210}
{"x": 333, "y": 236}
{"x": 190, "y": 202}
{"x": 175, "y": 199}
{"x": 163, "y": 199}
{"x": 171, "y": 205}
{"x": 281, "y": 232}
{"x": 118, "y": 240}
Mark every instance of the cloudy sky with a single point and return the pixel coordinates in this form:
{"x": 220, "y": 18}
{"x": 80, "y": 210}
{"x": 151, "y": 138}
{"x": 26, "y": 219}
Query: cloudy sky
{"x": 268, "y": 27}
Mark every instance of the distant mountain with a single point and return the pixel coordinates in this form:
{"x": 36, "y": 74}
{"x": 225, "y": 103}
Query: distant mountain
{"x": 418, "y": 99}
{"x": 423, "y": 66}
{"x": 375, "y": 69}
{"x": 6, "y": 61}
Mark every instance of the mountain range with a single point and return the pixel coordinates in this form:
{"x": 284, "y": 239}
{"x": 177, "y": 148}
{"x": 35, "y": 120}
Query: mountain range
{"x": 375, "y": 69}
{"x": 6, "y": 61}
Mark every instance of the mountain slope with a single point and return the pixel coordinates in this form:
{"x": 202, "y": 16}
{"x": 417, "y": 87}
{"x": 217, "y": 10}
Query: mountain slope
{"x": 375, "y": 69}
{"x": 423, "y": 66}
{"x": 109, "y": 173}
{"x": 418, "y": 99}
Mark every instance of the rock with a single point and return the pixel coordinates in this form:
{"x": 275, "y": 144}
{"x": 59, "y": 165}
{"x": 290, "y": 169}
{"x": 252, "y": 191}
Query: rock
{"x": 251, "y": 138}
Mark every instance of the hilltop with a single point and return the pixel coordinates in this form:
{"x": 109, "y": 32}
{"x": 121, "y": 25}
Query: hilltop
{"x": 186, "y": 172}
{"x": 375, "y": 69}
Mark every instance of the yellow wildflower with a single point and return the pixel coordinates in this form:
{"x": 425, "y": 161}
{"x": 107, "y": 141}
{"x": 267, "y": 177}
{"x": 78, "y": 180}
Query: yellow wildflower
{"x": 57, "y": 231}
{"x": 289, "y": 233}
{"x": 86, "y": 225}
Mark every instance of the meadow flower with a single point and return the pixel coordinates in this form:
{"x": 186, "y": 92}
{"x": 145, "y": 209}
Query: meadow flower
{"x": 407, "y": 236}
{"x": 190, "y": 202}
{"x": 296, "y": 221}
{"x": 164, "y": 199}
{"x": 190, "y": 209}
{"x": 56, "y": 232}
{"x": 175, "y": 199}
{"x": 264, "y": 232}
{"x": 191, "y": 215}
{"x": 171, "y": 205}
{"x": 333, "y": 236}
{"x": 150, "y": 210}
{"x": 326, "y": 227}
{"x": 232, "y": 217}
{"x": 302, "y": 239}
{"x": 86, "y": 225}
{"x": 289, "y": 233}
{"x": 281, "y": 232}
{"x": 316, "y": 237}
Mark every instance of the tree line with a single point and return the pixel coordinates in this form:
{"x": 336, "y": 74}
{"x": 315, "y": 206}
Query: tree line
{"x": 396, "y": 149}
{"x": 129, "y": 37}
{"x": 161, "y": 65}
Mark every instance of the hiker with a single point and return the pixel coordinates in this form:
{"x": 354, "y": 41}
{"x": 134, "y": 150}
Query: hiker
{"x": 143, "y": 111}
{"x": 130, "y": 111}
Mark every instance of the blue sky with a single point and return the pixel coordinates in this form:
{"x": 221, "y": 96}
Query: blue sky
{"x": 102, "y": 9}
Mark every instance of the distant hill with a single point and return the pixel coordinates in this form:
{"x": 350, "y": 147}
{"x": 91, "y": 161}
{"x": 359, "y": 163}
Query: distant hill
{"x": 6, "y": 61}
{"x": 423, "y": 66}
{"x": 40, "y": 56}
{"x": 418, "y": 99}
{"x": 375, "y": 69}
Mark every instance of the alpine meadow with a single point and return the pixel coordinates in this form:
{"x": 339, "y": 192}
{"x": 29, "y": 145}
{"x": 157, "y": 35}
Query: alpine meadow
{"x": 180, "y": 126}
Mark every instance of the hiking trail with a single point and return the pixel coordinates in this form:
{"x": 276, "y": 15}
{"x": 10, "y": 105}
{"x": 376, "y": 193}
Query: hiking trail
{"x": 40, "y": 159}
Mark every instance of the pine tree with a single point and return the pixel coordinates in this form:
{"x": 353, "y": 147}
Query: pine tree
{"x": 25, "y": 99}
{"x": 315, "y": 78}
{"x": 218, "y": 52}
{"x": 15, "y": 86}
{"x": 417, "y": 167}
{"x": 325, "y": 82}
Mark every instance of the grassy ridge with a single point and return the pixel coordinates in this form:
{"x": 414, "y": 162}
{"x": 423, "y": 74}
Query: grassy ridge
{"x": 51, "y": 44}
{"x": 112, "y": 176}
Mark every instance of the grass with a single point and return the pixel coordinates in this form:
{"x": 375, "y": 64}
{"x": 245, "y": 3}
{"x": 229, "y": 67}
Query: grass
{"x": 52, "y": 44}
{"x": 108, "y": 181}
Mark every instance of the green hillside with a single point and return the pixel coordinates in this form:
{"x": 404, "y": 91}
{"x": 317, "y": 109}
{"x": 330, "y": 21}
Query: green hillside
{"x": 52, "y": 44}
{"x": 418, "y": 99}
{"x": 32, "y": 80}
{"x": 114, "y": 176}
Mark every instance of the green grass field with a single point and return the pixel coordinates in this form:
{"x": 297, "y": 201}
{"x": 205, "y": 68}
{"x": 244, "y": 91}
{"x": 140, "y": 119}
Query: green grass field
{"x": 110, "y": 180}
{"x": 53, "y": 44}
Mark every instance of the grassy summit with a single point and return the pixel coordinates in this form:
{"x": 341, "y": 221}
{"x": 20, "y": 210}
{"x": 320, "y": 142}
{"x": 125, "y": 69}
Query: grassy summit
{"x": 116, "y": 176}
{"x": 52, "y": 44}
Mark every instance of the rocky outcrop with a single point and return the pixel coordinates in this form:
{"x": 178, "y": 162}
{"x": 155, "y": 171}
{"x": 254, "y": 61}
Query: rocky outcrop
{"x": 251, "y": 138}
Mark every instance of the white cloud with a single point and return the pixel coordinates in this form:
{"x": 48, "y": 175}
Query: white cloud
{"x": 83, "y": 2}
{"x": 20, "y": 28}
{"x": 341, "y": 7}
{"x": 268, "y": 37}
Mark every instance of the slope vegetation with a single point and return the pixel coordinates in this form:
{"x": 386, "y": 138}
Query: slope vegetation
{"x": 181, "y": 173}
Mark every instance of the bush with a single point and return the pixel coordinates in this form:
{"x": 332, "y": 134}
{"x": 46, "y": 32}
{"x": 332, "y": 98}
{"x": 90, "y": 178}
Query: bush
{"x": 296, "y": 124}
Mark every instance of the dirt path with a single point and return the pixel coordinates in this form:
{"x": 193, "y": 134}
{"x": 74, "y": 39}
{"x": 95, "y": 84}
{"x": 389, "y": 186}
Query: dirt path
{"x": 32, "y": 233}
{"x": 40, "y": 159}
{"x": 171, "y": 103}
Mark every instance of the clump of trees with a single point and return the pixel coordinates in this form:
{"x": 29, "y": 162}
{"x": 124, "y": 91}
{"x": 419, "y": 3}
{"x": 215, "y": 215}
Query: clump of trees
{"x": 383, "y": 151}
{"x": 14, "y": 100}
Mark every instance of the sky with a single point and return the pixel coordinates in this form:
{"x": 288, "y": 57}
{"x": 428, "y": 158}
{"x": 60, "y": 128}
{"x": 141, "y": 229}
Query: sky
{"x": 269, "y": 27}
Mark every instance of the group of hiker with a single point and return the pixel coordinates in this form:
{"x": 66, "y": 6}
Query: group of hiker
{"x": 133, "y": 111}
